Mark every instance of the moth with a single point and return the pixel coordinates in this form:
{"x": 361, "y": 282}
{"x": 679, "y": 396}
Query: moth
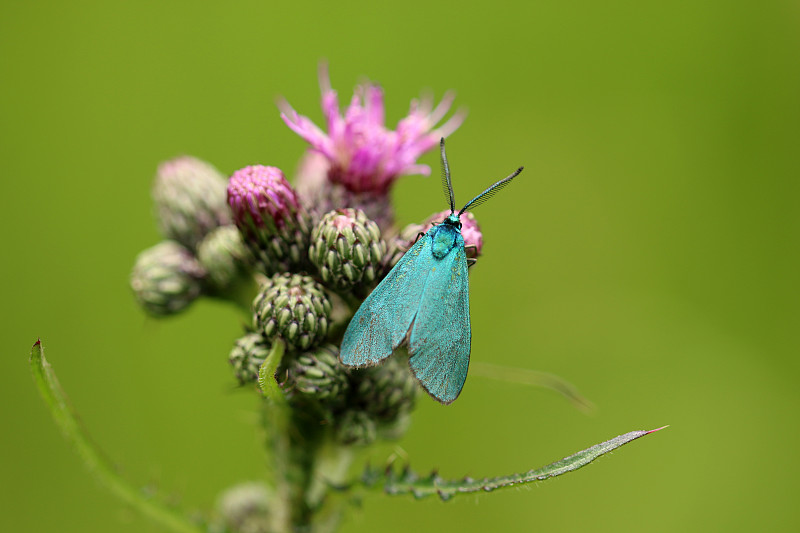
{"x": 424, "y": 299}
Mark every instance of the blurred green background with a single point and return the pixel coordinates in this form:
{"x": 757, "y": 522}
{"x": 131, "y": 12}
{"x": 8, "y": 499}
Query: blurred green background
{"x": 648, "y": 254}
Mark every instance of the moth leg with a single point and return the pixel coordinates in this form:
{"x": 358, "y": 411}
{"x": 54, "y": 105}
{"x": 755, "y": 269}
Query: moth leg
{"x": 419, "y": 236}
{"x": 472, "y": 254}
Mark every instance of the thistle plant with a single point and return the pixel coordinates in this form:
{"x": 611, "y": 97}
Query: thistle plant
{"x": 299, "y": 260}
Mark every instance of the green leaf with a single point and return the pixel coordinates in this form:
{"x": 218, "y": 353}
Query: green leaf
{"x": 269, "y": 386}
{"x": 407, "y": 482}
{"x": 66, "y": 419}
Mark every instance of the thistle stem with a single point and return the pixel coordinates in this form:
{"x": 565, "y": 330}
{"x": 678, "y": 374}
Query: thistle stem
{"x": 331, "y": 468}
{"x": 305, "y": 458}
{"x": 66, "y": 419}
{"x": 275, "y": 420}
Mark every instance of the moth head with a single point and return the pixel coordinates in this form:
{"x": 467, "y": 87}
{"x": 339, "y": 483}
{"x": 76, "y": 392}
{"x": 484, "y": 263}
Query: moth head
{"x": 453, "y": 220}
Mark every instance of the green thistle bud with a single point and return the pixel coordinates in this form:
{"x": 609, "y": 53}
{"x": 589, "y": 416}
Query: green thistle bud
{"x": 356, "y": 428}
{"x": 293, "y": 307}
{"x": 166, "y": 278}
{"x": 191, "y": 200}
{"x": 224, "y": 255}
{"x": 247, "y": 356}
{"x": 347, "y": 249}
{"x": 319, "y": 375}
{"x": 268, "y": 213}
{"x": 245, "y": 508}
{"x": 386, "y": 392}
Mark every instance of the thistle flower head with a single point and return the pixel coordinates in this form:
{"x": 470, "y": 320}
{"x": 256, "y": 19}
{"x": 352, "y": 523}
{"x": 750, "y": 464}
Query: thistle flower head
{"x": 319, "y": 375}
{"x": 248, "y": 354}
{"x": 365, "y": 156}
{"x": 294, "y": 307}
{"x": 356, "y": 428}
{"x": 224, "y": 255}
{"x": 347, "y": 249}
{"x": 189, "y": 196}
{"x": 166, "y": 278}
{"x": 387, "y": 391}
{"x": 260, "y": 197}
{"x": 246, "y": 508}
{"x": 268, "y": 213}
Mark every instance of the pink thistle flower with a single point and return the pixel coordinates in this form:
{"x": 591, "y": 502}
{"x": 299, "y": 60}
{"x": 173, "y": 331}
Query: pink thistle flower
{"x": 260, "y": 196}
{"x": 269, "y": 216}
{"x": 320, "y": 195}
{"x": 364, "y": 156}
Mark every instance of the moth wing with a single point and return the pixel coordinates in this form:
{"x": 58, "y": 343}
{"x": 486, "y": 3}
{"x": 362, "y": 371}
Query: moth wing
{"x": 440, "y": 337}
{"x": 382, "y": 321}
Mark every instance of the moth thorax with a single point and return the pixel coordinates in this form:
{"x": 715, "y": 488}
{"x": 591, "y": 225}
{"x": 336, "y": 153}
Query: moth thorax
{"x": 444, "y": 238}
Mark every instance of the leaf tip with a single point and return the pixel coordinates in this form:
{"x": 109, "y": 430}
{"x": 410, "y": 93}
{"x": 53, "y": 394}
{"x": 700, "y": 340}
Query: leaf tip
{"x": 37, "y": 353}
{"x": 657, "y": 429}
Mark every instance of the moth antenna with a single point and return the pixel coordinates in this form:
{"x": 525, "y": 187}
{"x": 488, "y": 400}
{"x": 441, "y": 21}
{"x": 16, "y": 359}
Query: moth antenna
{"x": 490, "y": 191}
{"x": 447, "y": 185}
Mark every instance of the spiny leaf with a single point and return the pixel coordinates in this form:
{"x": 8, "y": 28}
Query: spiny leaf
{"x": 407, "y": 482}
{"x": 66, "y": 419}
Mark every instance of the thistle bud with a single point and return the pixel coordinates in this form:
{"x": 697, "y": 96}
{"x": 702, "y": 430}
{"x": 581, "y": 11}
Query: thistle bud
{"x": 319, "y": 375}
{"x": 356, "y": 428}
{"x": 166, "y": 278}
{"x": 247, "y": 356}
{"x": 293, "y": 307}
{"x": 268, "y": 213}
{"x": 387, "y": 391}
{"x": 347, "y": 249}
{"x": 224, "y": 255}
{"x": 190, "y": 200}
{"x": 245, "y": 508}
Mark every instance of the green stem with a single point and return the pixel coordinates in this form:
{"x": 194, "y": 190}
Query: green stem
{"x": 305, "y": 458}
{"x": 275, "y": 419}
{"x": 331, "y": 469}
{"x": 66, "y": 419}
